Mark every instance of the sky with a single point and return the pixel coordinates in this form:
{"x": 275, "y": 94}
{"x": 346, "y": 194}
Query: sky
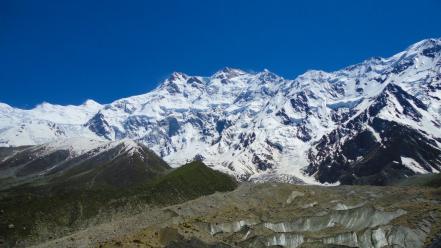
{"x": 66, "y": 52}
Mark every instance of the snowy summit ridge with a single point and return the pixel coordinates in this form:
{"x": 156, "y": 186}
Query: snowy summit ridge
{"x": 318, "y": 127}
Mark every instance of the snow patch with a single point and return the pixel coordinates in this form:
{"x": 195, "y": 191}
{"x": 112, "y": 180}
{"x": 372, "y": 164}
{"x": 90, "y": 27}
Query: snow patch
{"x": 413, "y": 165}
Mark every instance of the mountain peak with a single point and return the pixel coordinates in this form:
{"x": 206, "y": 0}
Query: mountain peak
{"x": 309, "y": 74}
{"x": 44, "y": 106}
{"x": 177, "y": 76}
{"x": 425, "y": 43}
{"x": 5, "y": 107}
{"x": 90, "y": 103}
{"x": 228, "y": 72}
{"x": 267, "y": 75}
{"x": 428, "y": 47}
{"x": 174, "y": 82}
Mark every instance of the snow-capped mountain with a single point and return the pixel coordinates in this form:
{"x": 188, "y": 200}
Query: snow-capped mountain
{"x": 377, "y": 119}
{"x": 46, "y": 122}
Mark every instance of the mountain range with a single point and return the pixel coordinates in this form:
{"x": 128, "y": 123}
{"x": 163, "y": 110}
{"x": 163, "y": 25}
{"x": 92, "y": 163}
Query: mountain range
{"x": 369, "y": 123}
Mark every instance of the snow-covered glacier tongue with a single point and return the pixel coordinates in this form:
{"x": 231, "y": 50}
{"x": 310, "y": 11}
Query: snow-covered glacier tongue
{"x": 366, "y": 123}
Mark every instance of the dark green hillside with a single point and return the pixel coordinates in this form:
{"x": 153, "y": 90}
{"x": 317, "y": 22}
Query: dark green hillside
{"x": 190, "y": 181}
{"x": 32, "y": 210}
{"x": 114, "y": 168}
{"x": 427, "y": 180}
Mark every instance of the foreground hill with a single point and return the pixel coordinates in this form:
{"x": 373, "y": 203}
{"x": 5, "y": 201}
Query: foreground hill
{"x": 84, "y": 189}
{"x": 372, "y": 122}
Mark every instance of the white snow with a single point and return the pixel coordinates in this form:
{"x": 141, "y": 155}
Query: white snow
{"x": 76, "y": 146}
{"x": 266, "y": 116}
{"x": 413, "y": 165}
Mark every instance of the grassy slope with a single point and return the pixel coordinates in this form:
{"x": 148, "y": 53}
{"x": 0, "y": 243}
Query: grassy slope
{"x": 67, "y": 211}
{"x": 427, "y": 180}
{"x": 188, "y": 182}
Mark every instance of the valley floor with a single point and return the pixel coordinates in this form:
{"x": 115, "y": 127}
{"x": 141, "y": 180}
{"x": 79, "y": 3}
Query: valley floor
{"x": 272, "y": 214}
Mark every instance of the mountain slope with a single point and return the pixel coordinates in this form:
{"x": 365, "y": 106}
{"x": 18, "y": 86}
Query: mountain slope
{"x": 385, "y": 142}
{"x": 81, "y": 163}
{"x": 257, "y": 126}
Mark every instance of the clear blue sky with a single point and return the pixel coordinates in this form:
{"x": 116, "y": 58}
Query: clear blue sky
{"x": 68, "y": 51}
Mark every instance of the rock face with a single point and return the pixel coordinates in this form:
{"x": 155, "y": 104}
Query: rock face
{"x": 367, "y": 123}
